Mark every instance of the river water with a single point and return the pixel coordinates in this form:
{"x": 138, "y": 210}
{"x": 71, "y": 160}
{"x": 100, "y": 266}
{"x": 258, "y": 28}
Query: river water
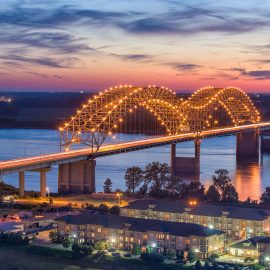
{"x": 250, "y": 177}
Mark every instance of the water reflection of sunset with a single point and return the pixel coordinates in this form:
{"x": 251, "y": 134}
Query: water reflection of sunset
{"x": 247, "y": 180}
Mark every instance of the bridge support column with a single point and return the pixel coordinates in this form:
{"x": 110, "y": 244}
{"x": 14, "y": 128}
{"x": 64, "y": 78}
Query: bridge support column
{"x": 265, "y": 141}
{"x": 248, "y": 143}
{"x": 173, "y": 157}
{"x": 43, "y": 182}
{"x": 186, "y": 165}
{"x": 77, "y": 177}
{"x": 21, "y": 183}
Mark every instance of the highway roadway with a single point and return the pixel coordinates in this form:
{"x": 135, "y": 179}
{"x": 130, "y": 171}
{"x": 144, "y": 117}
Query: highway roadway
{"x": 48, "y": 160}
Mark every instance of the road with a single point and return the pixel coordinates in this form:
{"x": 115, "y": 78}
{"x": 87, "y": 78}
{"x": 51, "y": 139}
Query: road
{"x": 47, "y": 160}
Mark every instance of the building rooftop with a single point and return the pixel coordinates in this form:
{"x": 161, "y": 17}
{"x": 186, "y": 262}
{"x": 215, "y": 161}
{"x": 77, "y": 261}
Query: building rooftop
{"x": 141, "y": 225}
{"x": 250, "y": 243}
{"x": 264, "y": 240}
{"x": 203, "y": 209}
{"x": 48, "y": 216}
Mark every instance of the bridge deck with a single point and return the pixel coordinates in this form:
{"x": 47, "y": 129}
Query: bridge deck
{"x": 43, "y": 161}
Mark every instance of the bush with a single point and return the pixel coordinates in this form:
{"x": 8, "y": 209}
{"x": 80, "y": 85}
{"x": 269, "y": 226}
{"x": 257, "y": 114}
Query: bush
{"x": 191, "y": 256}
{"x": 66, "y": 242}
{"x": 145, "y": 256}
{"x": 151, "y": 257}
{"x": 207, "y": 266}
{"x": 213, "y": 256}
{"x": 248, "y": 259}
{"x": 13, "y": 238}
{"x": 136, "y": 250}
{"x": 100, "y": 245}
{"x": 171, "y": 254}
{"x": 103, "y": 208}
{"x": 198, "y": 264}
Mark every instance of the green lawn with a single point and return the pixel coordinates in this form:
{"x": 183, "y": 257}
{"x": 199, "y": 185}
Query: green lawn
{"x": 43, "y": 258}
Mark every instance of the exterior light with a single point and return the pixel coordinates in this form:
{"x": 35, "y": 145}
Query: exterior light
{"x": 193, "y": 202}
{"x": 119, "y": 194}
{"x": 267, "y": 258}
{"x": 153, "y": 245}
{"x": 74, "y": 235}
{"x": 113, "y": 240}
{"x": 211, "y": 226}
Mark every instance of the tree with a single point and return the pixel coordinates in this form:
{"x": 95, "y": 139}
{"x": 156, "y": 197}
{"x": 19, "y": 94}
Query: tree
{"x": 136, "y": 250}
{"x": 175, "y": 187}
{"x": 107, "y": 187}
{"x": 66, "y": 242}
{"x": 249, "y": 202}
{"x": 143, "y": 190}
{"x": 265, "y": 197}
{"x": 198, "y": 264}
{"x": 222, "y": 182}
{"x": 193, "y": 190}
{"x": 212, "y": 194}
{"x": 230, "y": 194}
{"x": 53, "y": 236}
{"x": 157, "y": 174}
{"x": 133, "y": 178}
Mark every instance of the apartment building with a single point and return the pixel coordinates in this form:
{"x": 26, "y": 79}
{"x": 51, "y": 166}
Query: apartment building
{"x": 126, "y": 232}
{"x": 236, "y": 222}
{"x": 257, "y": 247}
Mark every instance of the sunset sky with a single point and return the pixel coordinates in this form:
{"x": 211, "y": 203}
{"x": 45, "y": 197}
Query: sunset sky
{"x": 70, "y": 45}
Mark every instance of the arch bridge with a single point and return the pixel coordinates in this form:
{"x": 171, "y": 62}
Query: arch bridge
{"x": 206, "y": 113}
{"x": 205, "y": 109}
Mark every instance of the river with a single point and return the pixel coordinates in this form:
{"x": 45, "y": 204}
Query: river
{"x": 250, "y": 177}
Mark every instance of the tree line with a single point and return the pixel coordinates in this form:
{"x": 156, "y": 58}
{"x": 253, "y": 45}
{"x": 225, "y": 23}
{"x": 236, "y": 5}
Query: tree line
{"x": 156, "y": 180}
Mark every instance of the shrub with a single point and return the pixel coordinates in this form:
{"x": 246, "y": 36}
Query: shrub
{"x": 198, "y": 264}
{"x": 66, "y": 242}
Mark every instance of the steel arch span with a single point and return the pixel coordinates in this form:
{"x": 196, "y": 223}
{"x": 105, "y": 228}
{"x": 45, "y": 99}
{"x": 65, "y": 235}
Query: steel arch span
{"x": 103, "y": 114}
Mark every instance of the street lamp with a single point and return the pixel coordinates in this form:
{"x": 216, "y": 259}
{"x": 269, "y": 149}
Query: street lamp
{"x": 119, "y": 194}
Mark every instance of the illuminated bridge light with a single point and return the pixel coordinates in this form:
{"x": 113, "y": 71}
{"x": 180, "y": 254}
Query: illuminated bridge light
{"x": 172, "y": 112}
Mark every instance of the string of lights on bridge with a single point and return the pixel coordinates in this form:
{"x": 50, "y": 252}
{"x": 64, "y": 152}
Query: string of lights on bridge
{"x": 102, "y": 115}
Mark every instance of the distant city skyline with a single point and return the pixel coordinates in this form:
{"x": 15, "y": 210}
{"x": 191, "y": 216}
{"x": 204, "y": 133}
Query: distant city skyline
{"x": 70, "y": 45}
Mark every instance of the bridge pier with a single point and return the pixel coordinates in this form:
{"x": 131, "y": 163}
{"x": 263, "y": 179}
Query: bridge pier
{"x": 21, "y": 183}
{"x": 77, "y": 177}
{"x": 43, "y": 183}
{"x": 248, "y": 143}
{"x": 186, "y": 165}
{"x": 265, "y": 141}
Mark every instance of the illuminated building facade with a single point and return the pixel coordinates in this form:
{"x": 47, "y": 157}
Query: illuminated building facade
{"x": 125, "y": 233}
{"x": 236, "y": 222}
